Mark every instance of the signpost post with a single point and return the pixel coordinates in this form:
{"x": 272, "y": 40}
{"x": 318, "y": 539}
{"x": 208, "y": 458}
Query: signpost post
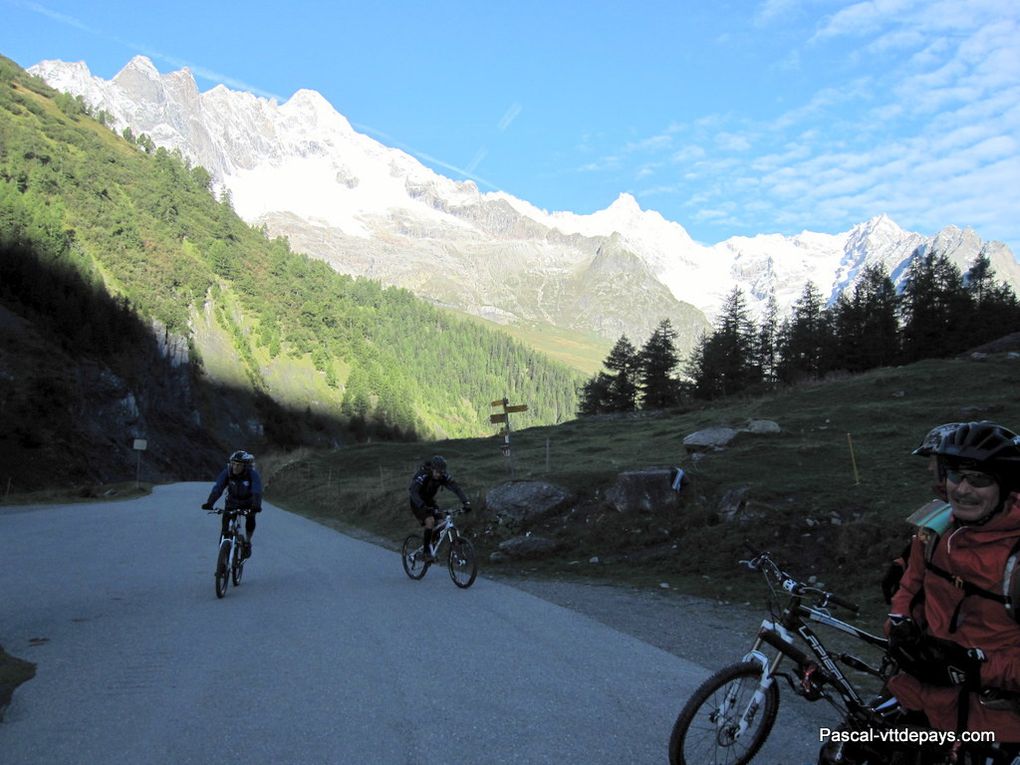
{"x": 140, "y": 446}
{"x": 504, "y": 420}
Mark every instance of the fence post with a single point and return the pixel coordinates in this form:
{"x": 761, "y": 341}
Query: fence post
{"x": 853, "y": 460}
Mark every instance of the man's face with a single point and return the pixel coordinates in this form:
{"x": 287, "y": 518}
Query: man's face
{"x": 236, "y": 468}
{"x": 972, "y": 494}
{"x": 437, "y": 473}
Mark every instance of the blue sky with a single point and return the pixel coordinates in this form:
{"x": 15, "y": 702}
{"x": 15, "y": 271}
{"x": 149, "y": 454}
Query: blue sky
{"x": 730, "y": 117}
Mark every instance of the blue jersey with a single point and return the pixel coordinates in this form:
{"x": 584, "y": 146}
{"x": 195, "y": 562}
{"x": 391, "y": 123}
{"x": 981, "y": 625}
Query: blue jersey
{"x": 243, "y": 489}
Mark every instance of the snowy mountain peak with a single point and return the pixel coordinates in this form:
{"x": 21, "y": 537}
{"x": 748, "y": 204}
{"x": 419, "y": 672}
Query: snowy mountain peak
{"x": 372, "y": 210}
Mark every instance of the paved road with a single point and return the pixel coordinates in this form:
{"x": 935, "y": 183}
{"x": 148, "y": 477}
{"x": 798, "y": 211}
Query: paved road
{"x": 327, "y": 653}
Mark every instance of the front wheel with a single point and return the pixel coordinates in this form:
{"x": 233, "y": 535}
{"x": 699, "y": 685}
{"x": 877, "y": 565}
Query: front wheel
{"x": 708, "y": 727}
{"x": 222, "y": 564}
{"x": 237, "y": 565}
{"x": 462, "y": 563}
{"x": 412, "y": 555}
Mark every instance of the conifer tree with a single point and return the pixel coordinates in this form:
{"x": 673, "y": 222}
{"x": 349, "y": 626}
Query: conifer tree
{"x": 625, "y": 361}
{"x": 807, "y": 338}
{"x": 659, "y": 389}
{"x": 934, "y": 309}
{"x": 726, "y": 362}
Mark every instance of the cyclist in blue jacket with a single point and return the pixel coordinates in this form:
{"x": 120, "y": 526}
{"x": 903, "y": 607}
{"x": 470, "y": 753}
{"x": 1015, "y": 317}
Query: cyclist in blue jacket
{"x": 243, "y": 485}
{"x": 428, "y": 480}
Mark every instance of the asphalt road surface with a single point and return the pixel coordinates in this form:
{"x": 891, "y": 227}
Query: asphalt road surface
{"x": 326, "y": 653}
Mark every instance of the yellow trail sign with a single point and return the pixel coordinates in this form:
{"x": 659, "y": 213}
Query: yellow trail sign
{"x": 517, "y": 408}
{"x": 497, "y": 418}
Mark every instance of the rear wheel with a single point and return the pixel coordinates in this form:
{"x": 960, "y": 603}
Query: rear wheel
{"x": 413, "y": 557}
{"x": 237, "y": 565}
{"x": 708, "y": 727}
{"x": 462, "y": 564}
{"x": 222, "y": 564}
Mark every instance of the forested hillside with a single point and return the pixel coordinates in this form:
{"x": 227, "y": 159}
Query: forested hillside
{"x": 141, "y": 225}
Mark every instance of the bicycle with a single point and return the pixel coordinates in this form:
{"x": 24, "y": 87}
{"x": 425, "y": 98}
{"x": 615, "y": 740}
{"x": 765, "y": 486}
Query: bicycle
{"x": 732, "y": 712}
{"x": 231, "y": 556}
{"x": 461, "y": 557}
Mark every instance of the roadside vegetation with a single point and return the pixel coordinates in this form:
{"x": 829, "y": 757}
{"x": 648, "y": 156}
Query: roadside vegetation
{"x": 824, "y": 511}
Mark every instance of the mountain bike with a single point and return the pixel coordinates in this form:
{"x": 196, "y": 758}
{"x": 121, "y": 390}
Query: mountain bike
{"x": 730, "y": 715}
{"x": 231, "y": 556}
{"x": 461, "y": 556}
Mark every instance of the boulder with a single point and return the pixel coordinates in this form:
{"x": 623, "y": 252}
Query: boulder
{"x": 642, "y": 491}
{"x": 514, "y": 502}
{"x": 527, "y": 546}
{"x": 762, "y": 427}
{"x": 709, "y": 439}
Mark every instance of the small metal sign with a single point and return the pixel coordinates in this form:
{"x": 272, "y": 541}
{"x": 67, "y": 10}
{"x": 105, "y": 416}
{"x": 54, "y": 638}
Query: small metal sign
{"x": 140, "y": 445}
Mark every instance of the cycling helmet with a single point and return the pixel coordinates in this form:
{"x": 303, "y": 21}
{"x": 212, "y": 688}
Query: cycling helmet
{"x": 983, "y": 445}
{"x": 438, "y": 463}
{"x": 935, "y": 435}
{"x": 242, "y": 456}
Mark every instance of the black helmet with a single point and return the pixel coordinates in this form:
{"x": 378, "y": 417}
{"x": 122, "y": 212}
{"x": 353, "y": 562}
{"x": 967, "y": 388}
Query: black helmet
{"x": 438, "y": 463}
{"x": 985, "y": 445}
{"x": 934, "y": 437}
{"x": 242, "y": 456}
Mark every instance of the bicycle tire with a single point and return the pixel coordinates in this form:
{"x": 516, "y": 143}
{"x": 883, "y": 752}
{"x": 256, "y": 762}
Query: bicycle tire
{"x": 684, "y": 746}
{"x": 222, "y": 561}
{"x": 462, "y": 563}
{"x": 411, "y": 556}
{"x": 237, "y": 566}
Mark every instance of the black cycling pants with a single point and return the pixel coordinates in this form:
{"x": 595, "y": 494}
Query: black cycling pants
{"x": 249, "y": 524}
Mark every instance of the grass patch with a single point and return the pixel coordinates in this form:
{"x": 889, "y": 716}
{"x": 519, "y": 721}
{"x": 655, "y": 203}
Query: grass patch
{"x": 87, "y": 493}
{"x": 804, "y": 500}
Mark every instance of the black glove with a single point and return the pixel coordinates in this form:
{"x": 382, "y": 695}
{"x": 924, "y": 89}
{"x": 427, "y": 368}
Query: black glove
{"x": 891, "y": 580}
{"x": 257, "y": 509}
{"x": 466, "y": 508}
{"x": 932, "y": 660}
{"x": 207, "y": 506}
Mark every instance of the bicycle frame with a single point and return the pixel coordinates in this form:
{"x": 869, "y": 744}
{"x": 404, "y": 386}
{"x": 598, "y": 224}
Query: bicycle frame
{"x": 446, "y": 530}
{"x": 782, "y": 634}
{"x": 781, "y": 637}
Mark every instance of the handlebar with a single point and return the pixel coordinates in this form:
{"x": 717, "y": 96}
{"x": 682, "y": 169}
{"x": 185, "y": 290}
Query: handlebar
{"x": 764, "y": 562}
{"x": 221, "y": 510}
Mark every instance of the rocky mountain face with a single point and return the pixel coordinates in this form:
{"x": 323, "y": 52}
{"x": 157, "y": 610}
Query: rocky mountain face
{"x": 300, "y": 169}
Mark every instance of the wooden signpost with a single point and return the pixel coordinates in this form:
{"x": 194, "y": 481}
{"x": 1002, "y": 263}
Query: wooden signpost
{"x": 503, "y": 418}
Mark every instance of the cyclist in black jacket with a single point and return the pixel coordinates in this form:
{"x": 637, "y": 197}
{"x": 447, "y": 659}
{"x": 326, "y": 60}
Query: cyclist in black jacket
{"x": 429, "y": 479}
{"x": 243, "y": 485}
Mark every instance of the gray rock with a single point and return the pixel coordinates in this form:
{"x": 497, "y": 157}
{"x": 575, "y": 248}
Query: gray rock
{"x": 733, "y": 505}
{"x": 526, "y": 546}
{"x": 709, "y": 439}
{"x": 516, "y": 501}
{"x": 642, "y": 491}
{"x": 763, "y": 427}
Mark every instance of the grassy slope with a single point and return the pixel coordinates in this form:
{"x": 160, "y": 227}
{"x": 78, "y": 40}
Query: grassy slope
{"x": 582, "y": 351}
{"x": 796, "y": 480}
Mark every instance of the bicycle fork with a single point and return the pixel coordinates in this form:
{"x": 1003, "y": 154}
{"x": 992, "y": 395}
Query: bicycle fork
{"x": 722, "y": 716}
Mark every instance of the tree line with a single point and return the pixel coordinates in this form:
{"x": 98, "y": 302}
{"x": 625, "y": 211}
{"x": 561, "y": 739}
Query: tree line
{"x": 141, "y": 224}
{"x": 940, "y": 312}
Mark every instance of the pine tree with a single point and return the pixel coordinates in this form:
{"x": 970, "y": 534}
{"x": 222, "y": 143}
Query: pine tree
{"x": 659, "y": 389}
{"x": 726, "y": 361}
{"x": 935, "y": 308}
{"x": 807, "y": 338}
{"x": 625, "y": 361}
{"x": 593, "y": 396}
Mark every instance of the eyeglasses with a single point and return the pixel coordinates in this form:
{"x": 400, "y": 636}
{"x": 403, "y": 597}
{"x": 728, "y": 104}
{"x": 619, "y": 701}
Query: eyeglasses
{"x": 977, "y": 480}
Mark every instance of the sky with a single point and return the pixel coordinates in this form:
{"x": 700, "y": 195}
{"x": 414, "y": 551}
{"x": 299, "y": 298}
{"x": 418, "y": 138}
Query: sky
{"x": 730, "y": 117}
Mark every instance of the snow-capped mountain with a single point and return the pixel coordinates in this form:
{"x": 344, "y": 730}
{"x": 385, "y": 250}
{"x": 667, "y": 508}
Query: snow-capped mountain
{"x": 368, "y": 209}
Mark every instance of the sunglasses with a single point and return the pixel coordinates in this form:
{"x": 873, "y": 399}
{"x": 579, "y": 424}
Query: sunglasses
{"x": 977, "y": 480}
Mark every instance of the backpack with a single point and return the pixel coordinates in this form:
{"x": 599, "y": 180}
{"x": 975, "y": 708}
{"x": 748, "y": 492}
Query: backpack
{"x": 932, "y": 521}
